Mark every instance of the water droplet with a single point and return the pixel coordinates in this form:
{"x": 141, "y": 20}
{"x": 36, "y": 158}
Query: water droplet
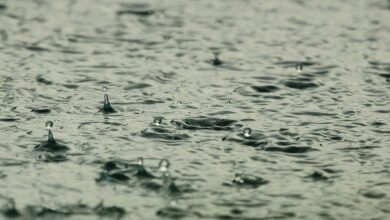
{"x": 140, "y": 161}
{"x": 238, "y": 179}
{"x": 164, "y": 165}
{"x": 158, "y": 121}
{"x": 228, "y": 102}
{"x": 247, "y": 132}
{"x": 104, "y": 88}
{"x": 299, "y": 67}
{"x": 179, "y": 102}
{"x": 49, "y": 124}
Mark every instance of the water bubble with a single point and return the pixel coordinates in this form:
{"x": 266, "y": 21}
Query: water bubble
{"x": 299, "y": 67}
{"x": 247, "y": 132}
{"x": 104, "y": 88}
{"x": 164, "y": 165}
{"x": 49, "y": 124}
{"x": 158, "y": 121}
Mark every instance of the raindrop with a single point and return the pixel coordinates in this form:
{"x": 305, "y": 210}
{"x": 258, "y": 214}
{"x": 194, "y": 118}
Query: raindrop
{"x": 158, "y": 121}
{"x": 247, "y": 132}
{"x": 299, "y": 67}
{"x": 238, "y": 179}
{"x": 49, "y": 124}
{"x": 51, "y": 144}
{"x": 140, "y": 161}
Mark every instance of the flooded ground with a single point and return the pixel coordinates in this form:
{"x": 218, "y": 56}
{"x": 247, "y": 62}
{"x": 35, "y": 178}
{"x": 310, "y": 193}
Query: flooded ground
{"x": 264, "y": 109}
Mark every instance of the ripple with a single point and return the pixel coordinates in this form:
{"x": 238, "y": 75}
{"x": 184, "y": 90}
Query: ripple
{"x": 140, "y": 9}
{"x": 313, "y": 113}
{"x": 41, "y": 110}
{"x": 256, "y": 139}
{"x": 42, "y": 80}
{"x": 176, "y": 213}
{"x": 290, "y": 149}
{"x": 77, "y": 209}
{"x": 200, "y": 123}
{"x": 265, "y": 89}
{"x": 137, "y": 86}
{"x": 164, "y": 134}
{"x": 36, "y": 48}
{"x": 373, "y": 194}
{"x": 287, "y": 64}
{"x": 9, "y": 119}
{"x": 52, "y": 157}
{"x": 317, "y": 176}
{"x": 296, "y": 84}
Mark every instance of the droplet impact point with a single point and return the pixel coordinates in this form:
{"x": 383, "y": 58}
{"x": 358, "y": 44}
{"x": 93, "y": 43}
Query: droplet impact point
{"x": 158, "y": 121}
{"x": 49, "y": 124}
{"x": 299, "y": 67}
{"x": 247, "y": 132}
{"x": 216, "y": 61}
{"x": 107, "y": 108}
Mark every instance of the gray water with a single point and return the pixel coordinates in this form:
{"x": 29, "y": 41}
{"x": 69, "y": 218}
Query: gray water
{"x": 320, "y": 136}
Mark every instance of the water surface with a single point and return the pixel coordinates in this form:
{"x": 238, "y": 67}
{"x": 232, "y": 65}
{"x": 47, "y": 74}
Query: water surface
{"x": 310, "y": 78}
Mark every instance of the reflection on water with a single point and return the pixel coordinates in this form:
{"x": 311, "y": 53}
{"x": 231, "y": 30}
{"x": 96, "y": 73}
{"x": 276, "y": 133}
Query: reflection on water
{"x": 194, "y": 109}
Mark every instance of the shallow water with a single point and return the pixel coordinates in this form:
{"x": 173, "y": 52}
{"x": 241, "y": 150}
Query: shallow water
{"x": 319, "y": 138}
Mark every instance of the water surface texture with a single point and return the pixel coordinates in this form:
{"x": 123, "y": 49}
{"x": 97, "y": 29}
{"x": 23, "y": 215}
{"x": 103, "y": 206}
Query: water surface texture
{"x": 308, "y": 82}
